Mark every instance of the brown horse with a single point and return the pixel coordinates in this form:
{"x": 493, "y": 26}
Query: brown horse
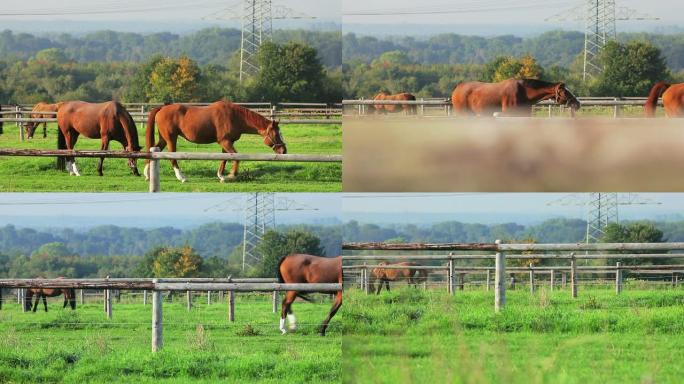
{"x": 673, "y": 99}
{"x": 510, "y": 97}
{"x": 385, "y": 275}
{"x": 409, "y": 109}
{"x": 299, "y": 268}
{"x": 41, "y": 107}
{"x": 69, "y": 297}
{"x": 221, "y": 122}
{"x": 104, "y": 121}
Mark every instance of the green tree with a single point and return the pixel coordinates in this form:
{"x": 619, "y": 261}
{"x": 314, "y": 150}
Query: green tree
{"x": 171, "y": 262}
{"x": 174, "y": 80}
{"x": 630, "y": 69}
{"x": 275, "y": 245}
{"x": 288, "y": 72}
{"x": 636, "y": 232}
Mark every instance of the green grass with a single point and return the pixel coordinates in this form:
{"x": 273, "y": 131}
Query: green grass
{"x": 39, "y": 174}
{"x": 65, "y": 346}
{"x": 411, "y": 336}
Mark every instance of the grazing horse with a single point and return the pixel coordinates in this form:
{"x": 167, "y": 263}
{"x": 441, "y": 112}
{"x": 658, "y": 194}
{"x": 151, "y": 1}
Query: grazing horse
{"x": 35, "y": 114}
{"x": 69, "y": 297}
{"x": 104, "y": 121}
{"x": 673, "y": 99}
{"x": 385, "y": 275}
{"x": 300, "y": 268}
{"x": 221, "y": 122}
{"x": 510, "y": 97}
{"x": 410, "y": 109}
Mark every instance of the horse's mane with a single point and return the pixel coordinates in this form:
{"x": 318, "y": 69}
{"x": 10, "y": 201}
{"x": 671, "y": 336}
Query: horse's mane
{"x": 535, "y": 83}
{"x": 251, "y": 117}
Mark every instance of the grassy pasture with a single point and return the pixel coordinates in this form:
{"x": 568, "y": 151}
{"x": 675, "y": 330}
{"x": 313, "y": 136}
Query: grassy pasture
{"x": 36, "y": 174}
{"x": 65, "y": 346}
{"x": 415, "y": 336}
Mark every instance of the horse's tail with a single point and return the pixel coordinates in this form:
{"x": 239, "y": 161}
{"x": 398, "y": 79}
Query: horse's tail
{"x": 656, "y": 92}
{"x": 149, "y": 133}
{"x": 280, "y": 275}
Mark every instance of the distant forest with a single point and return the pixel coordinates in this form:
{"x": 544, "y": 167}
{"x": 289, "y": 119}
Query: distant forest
{"x": 554, "y": 48}
{"x": 208, "y": 46}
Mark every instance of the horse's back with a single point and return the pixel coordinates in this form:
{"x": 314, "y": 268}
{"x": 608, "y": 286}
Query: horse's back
{"x": 304, "y": 268}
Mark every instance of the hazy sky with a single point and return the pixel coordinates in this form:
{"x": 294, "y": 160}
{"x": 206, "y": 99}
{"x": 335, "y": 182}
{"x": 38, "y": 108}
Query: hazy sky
{"x": 170, "y": 209}
{"x": 505, "y": 205}
{"x": 152, "y": 10}
{"x": 493, "y": 12}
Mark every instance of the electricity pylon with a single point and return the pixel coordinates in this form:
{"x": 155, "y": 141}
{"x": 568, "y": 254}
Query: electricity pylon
{"x": 601, "y": 209}
{"x": 599, "y": 17}
{"x": 259, "y": 210}
{"x": 256, "y": 19}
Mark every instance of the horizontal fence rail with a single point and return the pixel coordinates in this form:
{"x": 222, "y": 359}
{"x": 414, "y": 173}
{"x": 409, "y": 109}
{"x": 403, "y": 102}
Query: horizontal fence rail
{"x": 157, "y": 286}
{"x": 499, "y": 251}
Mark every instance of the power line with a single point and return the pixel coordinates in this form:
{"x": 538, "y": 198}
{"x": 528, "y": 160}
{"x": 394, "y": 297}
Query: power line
{"x": 105, "y": 10}
{"x": 449, "y": 9}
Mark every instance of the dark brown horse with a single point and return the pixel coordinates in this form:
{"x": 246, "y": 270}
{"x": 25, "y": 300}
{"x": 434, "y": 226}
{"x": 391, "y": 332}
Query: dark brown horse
{"x": 299, "y": 268}
{"x": 44, "y": 293}
{"x": 673, "y": 99}
{"x": 221, "y": 122}
{"x": 35, "y": 114}
{"x": 413, "y": 276}
{"x": 410, "y": 109}
{"x": 105, "y": 121}
{"x": 510, "y": 97}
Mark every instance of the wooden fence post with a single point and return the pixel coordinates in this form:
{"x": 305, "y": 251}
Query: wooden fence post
{"x": 220, "y": 296}
{"x": 108, "y": 303}
{"x": 531, "y": 279}
{"x": 19, "y": 124}
{"x": 553, "y": 274}
{"x": 499, "y": 280}
{"x": 618, "y": 278}
{"x": 461, "y": 281}
{"x": 157, "y": 320}
{"x": 81, "y": 296}
{"x": 364, "y": 274}
{"x": 564, "y": 280}
{"x": 188, "y": 296}
{"x": 154, "y": 172}
{"x": 275, "y": 301}
{"x": 21, "y": 295}
{"x": 450, "y": 277}
{"x": 208, "y": 297}
{"x": 489, "y": 279}
{"x": 231, "y": 306}
{"x": 145, "y": 297}
{"x": 573, "y": 275}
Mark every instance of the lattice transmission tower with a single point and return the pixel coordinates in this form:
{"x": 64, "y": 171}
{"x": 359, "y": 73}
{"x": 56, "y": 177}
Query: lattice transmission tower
{"x": 599, "y": 17}
{"x": 259, "y": 217}
{"x": 601, "y": 209}
{"x": 256, "y": 21}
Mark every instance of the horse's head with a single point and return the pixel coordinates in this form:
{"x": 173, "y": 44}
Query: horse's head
{"x": 30, "y": 128}
{"x": 274, "y": 139}
{"x": 565, "y": 97}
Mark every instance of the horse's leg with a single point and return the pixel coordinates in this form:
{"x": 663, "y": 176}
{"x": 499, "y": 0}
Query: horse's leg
{"x": 228, "y": 147}
{"x": 71, "y": 143}
{"x": 387, "y": 285}
{"x": 45, "y": 130}
{"x": 45, "y": 302}
{"x": 380, "y": 286}
{"x": 285, "y": 309}
{"x": 333, "y": 311}
{"x": 104, "y": 146}
{"x": 66, "y": 301}
{"x": 35, "y": 305}
{"x": 161, "y": 144}
{"x": 174, "y": 163}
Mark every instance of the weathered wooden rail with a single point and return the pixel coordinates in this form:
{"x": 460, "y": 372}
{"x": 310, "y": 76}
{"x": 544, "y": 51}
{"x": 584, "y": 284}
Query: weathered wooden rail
{"x": 500, "y": 255}
{"x": 158, "y": 286}
{"x": 155, "y": 156}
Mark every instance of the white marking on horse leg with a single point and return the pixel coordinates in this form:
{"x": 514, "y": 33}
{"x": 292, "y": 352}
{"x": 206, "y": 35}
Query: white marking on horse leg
{"x": 179, "y": 175}
{"x": 293, "y": 321}
{"x": 146, "y": 171}
{"x": 68, "y": 167}
{"x": 221, "y": 177}
{"x": 282, "y": 326}
{"x": 75, "y": 168}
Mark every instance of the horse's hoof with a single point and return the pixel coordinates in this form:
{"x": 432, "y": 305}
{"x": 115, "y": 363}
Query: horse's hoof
{"x": 183, "y": 180}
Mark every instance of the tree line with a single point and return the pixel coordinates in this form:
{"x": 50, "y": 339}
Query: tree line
{"x": 631, "y": 67}
{"x": 289, "y": 72}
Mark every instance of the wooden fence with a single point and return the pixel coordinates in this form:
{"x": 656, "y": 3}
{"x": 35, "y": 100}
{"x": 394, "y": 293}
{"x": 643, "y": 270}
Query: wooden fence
{"x": 155, "y": 156}
{"x": 158, "y": 286}
{"x": 433, "y": 107}
{"x": 503, "y": 251}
